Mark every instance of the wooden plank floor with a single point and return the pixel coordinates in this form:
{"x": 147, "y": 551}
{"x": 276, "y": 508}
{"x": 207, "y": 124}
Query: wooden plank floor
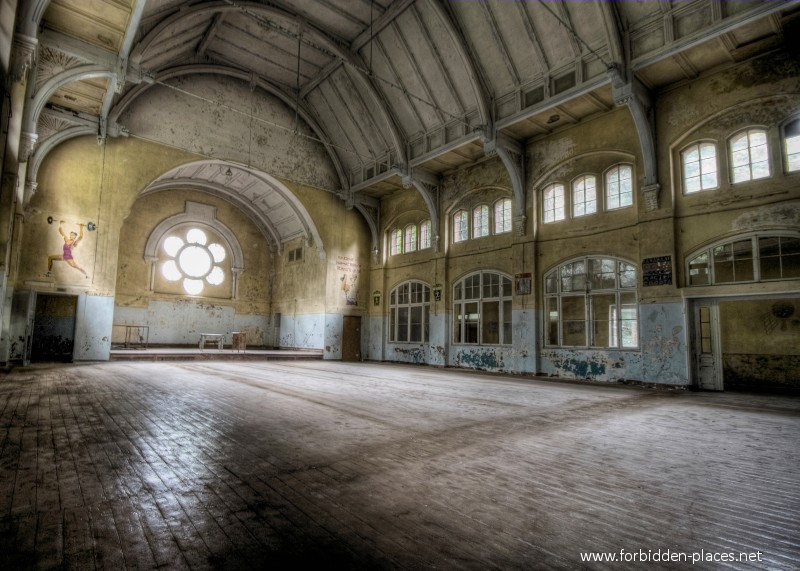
{"x": 241, "y": 464}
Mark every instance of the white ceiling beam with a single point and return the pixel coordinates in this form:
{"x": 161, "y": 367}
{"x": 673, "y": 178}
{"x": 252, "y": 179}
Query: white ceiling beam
{"x": 500, "y": 42}
{"x": 418, "y": 71}
{"x": 209, "y": 35}
{"x": 394, "y": 10}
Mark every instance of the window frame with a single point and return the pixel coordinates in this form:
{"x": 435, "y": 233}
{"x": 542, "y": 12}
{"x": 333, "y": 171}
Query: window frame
{"x": 606, "y": 187}
{"x": 395, "y": 306}
{"x": 463, "y": 226}
{"x": 459, "y": 324}
{"x": 425, "y": 234}
{"x": 505, "y": 220}
{"x": 573, "y": 190}
{"x": 552, "y": 187}
{"x": 784, "y": 139}
{"x": 699, "y": 144}
{"x": 589, "y": 296}
{"x": 731, "y": 166}
{"x": 395, "y": 242}
{"x": 410, "y": 237}
{"x": 480, "y": 221}
{"x": 755, "y": 257}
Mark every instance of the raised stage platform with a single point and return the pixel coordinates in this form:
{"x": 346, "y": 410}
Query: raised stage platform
{"x": 195, "y": 354}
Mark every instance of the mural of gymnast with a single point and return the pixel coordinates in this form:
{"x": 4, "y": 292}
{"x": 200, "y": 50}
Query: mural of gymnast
{"x": 70, "y": 243}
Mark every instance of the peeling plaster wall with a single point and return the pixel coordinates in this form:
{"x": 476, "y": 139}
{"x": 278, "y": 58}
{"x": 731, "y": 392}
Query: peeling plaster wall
{"x": 303, "y": 331}
{"x": 93, "y": 328}
{"x": 760, "y": 343}
{"x": 177, "y": 319}
{"x": 662, "y": 357}
{"x": 276, "y": 151}
{"x": 181, "y": 322}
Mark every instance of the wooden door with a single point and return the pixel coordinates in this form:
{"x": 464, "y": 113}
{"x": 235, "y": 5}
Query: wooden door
{"x": 707, "y": 348}
{"x": 351, "y": 338}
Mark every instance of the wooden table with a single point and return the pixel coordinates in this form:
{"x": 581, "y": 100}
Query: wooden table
{"x": 218, "y": 338}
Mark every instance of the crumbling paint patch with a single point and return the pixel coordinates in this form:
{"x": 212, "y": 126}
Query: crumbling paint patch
{"x": 414, "y": 355}
{"x": 751, "y": 371}
{"x": 782, "y": 214}
{"x": 664, "y": 344}
{"x": 483, "y": 359}
{"x": 585, "y": 364}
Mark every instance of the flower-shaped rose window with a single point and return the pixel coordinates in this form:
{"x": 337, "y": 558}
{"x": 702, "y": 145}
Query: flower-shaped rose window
{"x": 194, "y": 261}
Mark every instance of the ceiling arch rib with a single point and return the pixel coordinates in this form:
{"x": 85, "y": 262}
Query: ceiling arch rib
{"x": 286, "y": 23}
{"x": 34, "y": 109}
{"x": 274, "y": 209}
{"x": 306, "y": 114}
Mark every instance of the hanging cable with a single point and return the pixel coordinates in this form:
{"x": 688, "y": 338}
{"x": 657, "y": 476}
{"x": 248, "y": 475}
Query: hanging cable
{"x": 297, "y": 88}
{"x": 367, "y": 72}
{"x": 252, "y": 118}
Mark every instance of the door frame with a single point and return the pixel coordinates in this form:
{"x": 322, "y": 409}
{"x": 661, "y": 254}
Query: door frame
{"x": 716, "y": 342}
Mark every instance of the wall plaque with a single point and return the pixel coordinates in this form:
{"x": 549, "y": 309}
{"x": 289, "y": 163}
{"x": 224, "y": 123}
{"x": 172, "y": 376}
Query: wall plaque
{"x": 657, "y": 271}
{"x": 522, "y": 284}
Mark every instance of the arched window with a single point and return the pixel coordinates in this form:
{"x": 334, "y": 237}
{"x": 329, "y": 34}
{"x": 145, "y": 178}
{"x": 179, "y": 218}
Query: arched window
{"x": 480, "y": 221}
{"x": 410, "y": 238}
{"x": 699, "y": 163}
{"x": 584, "y": 196}
{"x": 619, "y": 187}
{"x": 791, "y": 145}
{"x": 409, "y": 313}
{"x": 460, "y": 226}
{"x": 424, "y": 234}
{"x": 502, "y": 216}
{"x": 395, "y": 243}
{"x": 195, "y": 259}
{"x": 749, "y": 155}
{"x": 554, "y": 203}
{"x": 753, "y": 258}
{"x": 482, "y": 309}
{"x": 591, "y": 302}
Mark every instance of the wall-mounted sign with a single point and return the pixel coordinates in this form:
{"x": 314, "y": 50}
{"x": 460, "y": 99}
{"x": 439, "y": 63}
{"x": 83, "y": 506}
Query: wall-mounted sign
{"x": 376, "y": 297}
{"x": 657, "y": 271}
{"x": 522, "y": 284}
{"x": 437, "y": 292}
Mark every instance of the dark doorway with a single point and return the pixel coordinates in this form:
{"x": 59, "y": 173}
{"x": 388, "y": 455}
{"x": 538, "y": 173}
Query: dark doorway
{"x": 351, "y": 338}
{"x": 54, "y": 328}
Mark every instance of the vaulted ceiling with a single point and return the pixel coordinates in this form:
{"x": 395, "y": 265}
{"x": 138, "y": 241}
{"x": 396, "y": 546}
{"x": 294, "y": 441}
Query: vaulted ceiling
{"x": 390, "y": 85}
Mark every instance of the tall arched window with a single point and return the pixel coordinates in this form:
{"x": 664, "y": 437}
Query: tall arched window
{"x": 395, "y": 242}
{"x": 409, "y": 313}
{"x": 482, "y": 309}
{"x": 460, "y": 226}
{"x": 591, "y": 302}
{"x": 480, "y": 221}
{"x": 554, "y": 203}
{"x": 502, "y": 216}
{"x": 619, "y": 187}
{"x": 424, "y": 234}
{"x": 749, "y": 155}
{"x": 584, "y": 196}
{"x": 410, "y": 238}
{"x": 791, "y": 145}
{"x": 699, "y": 162}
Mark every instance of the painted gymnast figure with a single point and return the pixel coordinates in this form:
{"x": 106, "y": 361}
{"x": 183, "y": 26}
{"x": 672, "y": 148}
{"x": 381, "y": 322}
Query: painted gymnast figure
{"x": 70, "y": 243}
